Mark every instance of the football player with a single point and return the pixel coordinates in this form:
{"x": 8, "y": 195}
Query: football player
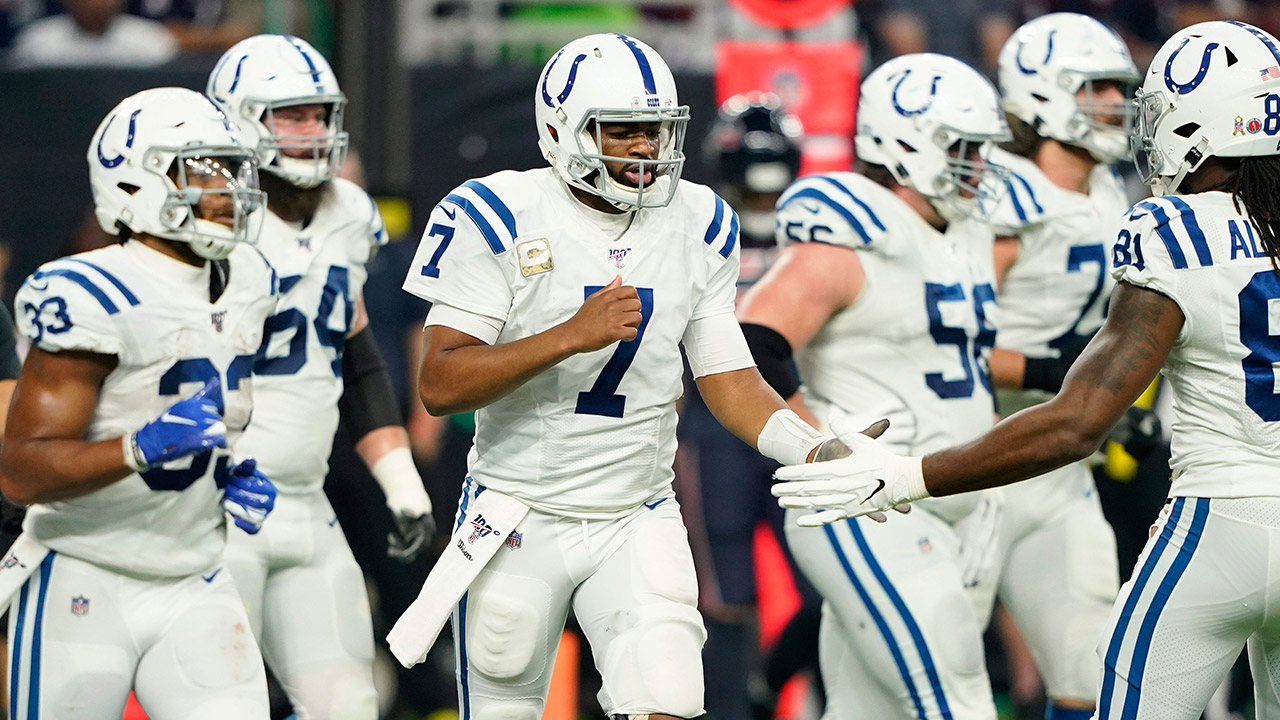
{"x": 1065, "y": 82}
{"x": 884, "y": 292}
{"x": 122, "y": 465}
{"x": 301, "y": 584}
{"x": 561, "y": 299}
{"x": 1198, "y": 271}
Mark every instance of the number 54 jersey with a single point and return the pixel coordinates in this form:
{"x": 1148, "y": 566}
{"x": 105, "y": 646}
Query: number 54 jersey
{"x": 153, "y": 314}
{"x": 1206, "y": 256}
{"x": 593, "y": 436}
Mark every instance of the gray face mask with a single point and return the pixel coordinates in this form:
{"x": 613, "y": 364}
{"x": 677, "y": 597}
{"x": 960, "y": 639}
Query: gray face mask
{"x": 757, "y": 224}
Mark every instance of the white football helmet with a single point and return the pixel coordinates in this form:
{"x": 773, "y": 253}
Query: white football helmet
{"x": 930, "y": 120}
{"x": 1212, "y": 89}
{"x": 155, "y": 156}
{"x": 1048, "y": 68}
{"x": 265, "y": 72}
{"x": 610, "y": 78}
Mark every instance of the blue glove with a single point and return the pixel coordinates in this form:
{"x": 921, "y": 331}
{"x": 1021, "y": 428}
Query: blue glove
{"x": 188, "y": 427}
{"x": 249, "y": 496}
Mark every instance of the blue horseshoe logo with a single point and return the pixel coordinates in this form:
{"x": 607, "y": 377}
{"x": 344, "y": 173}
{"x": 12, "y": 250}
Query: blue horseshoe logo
{"x": 1017, "y": 56}
{"x": 1193, "y": 83}
{"x": 933, "y": 91}
{"x": 568, "y": 86}
{"x": 112, "y": 162}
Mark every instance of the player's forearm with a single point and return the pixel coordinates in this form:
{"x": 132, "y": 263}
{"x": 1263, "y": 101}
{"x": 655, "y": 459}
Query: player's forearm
{"x": 41, "y": 471}
{"x": 741, "y": 401}
{"x": 1026, "y": 444}
{"x": 472, "y": 376}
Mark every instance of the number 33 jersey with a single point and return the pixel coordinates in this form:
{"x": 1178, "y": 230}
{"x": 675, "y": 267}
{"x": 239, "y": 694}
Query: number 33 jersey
{"x": 593, "y": 436}
{"x": 1208, "y": 258}
{"x": 153, "y": 314}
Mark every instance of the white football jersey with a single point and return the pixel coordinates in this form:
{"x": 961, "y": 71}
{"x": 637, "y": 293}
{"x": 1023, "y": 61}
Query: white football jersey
{"x": 299, "y": 370}
{"x": 594, "y": 436}
{"x": 1205, "y": 255}
{"x": 153, "y": 314}
{"x": 913, "y": 347}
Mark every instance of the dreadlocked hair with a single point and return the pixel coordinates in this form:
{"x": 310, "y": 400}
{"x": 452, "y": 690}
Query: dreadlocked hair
{"x": 1255, "y": 184}
{"x": 1026, "y": 141}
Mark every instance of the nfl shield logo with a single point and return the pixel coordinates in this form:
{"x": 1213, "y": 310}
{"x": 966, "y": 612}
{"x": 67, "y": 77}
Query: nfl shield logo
{"x": 80, "y": 606}
{"x": 513, "y": 540}
{"x": 925, "y": 545}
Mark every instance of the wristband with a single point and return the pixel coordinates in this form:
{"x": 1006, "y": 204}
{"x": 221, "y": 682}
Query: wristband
{"x": 133, "y": 456}
{"x": 788, "y": 439}
{"x": 398, "y": 476}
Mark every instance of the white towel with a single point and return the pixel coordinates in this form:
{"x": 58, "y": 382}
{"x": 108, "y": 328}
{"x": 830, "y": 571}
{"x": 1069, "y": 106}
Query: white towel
{"x": 488, "y": 521}
{"x": 23, "y": 559}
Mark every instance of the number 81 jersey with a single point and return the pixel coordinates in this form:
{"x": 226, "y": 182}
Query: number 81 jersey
{"x": 593, "y": 436}
{"x": 152, "y": 313}
{"x": 1207, "y": 257}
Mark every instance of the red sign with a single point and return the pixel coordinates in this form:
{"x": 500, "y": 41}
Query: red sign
{"x": 816, "y": 82}
{"x": 789, "y": 14}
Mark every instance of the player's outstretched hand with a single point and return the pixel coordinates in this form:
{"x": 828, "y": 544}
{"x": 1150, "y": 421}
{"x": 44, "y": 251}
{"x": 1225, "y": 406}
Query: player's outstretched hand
{"x": 249, "y": 496}
{"x": 608, "y": 315}
{"x": 869, "y": 481}
{"x": 188, "y": 427}
{"x": 412, "y": 534}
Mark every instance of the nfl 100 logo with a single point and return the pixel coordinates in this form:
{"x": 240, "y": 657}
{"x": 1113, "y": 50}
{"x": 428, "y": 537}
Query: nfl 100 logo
{"x": 80, "y": 606}
{"x": 480, "y": 528}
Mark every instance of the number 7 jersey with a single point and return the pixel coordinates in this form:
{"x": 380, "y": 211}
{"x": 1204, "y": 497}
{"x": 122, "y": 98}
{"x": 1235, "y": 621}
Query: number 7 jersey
{"x": 593, "y": 436}
{"x": 1207, "y": 257}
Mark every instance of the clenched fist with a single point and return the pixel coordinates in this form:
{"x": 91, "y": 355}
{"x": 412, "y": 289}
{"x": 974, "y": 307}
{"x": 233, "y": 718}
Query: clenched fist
{"x": 608, "y": 315}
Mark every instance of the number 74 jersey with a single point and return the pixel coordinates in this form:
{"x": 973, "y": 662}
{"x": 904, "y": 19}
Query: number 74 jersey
{"x": 1207, "y": 257}
{"x": 593, "y": 436}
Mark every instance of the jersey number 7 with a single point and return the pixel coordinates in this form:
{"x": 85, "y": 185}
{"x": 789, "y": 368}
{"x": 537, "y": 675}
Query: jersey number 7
{"x": 602, "y": 398}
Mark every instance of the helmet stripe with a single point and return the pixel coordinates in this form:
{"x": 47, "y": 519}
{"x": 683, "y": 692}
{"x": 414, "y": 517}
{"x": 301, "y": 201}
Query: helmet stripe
{"x": 1275, "y": 52}
{"x": 646, "y": 71}
{"x": 315, "y": 71}
{"x": 133, "y": 124}
{"x": 235, "y": 81}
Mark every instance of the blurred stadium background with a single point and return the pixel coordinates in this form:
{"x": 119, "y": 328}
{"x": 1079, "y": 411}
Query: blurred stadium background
{"x": 440, "y": 91}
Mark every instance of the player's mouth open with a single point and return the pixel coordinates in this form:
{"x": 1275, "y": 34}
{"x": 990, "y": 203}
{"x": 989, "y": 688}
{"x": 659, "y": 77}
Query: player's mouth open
{"x": 633, "y": 175}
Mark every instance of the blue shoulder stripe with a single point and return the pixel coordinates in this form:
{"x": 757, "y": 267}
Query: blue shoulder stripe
{"x": 473, "y": 212}
{"x": 1198, "y": 239}
{"x": 1031, "y": 195}
{"x": 495, "y": 204}
{"x": 130, "y": 297}
{"x": 1166, "y": 234}
{"x": 727, "y": 250}
{"x": 713, "y": 230}
{"x": 83, "y": 282}
{"x": 867, "y": 208}
{"x": 816, "y": 194}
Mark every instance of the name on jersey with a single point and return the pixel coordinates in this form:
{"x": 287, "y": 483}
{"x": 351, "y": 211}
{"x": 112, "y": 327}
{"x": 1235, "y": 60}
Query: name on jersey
{"x": 534, "y": 256}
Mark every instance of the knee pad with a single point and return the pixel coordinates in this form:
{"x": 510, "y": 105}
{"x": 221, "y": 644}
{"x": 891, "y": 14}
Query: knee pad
{"x": 507, "y": 710}
{"x": 503, "y": 637}
{"x": 656, "y": 664}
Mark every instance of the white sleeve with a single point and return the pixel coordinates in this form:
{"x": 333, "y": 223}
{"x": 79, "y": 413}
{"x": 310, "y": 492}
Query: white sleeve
{"x": 721, "y": 293}
{"x": 63, "y": 308}
{"x": 481, "y": 327}
{"x": 456, "y": 265}
{"x": 1158, "y": 240}
{"x": 715, "y": 344}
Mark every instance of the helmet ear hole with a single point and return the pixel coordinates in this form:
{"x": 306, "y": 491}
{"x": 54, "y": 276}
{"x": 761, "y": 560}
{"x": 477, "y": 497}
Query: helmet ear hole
{"x": 129, "y": 188}
{"x": 906, "y": 147}
{"x": 1231, "y": 57}
{"x": 1186, "y": 130}
{"x": 551, "y": 130}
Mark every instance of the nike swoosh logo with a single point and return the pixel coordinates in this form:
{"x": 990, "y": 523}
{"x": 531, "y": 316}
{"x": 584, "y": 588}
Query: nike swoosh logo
{"x": 815, "y": 209}
{"x": 873, "y": 492}
{"x": 209, "y": 578}
{"x": 655, "y": 503}
{"x": 453, "y": 215}
{"x": 167, "y": 418}
{"x": 333, "y": 522}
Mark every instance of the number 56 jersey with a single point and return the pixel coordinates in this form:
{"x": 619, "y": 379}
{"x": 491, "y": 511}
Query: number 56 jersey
{"x": 593, "y": 436}
{"x": 1206, "y": 256}
{"x": 153, "y": 314}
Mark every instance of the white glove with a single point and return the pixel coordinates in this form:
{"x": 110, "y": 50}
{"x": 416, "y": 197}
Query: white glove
{"x": 870, "y": 480}
{"x": 978, "y": 533}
